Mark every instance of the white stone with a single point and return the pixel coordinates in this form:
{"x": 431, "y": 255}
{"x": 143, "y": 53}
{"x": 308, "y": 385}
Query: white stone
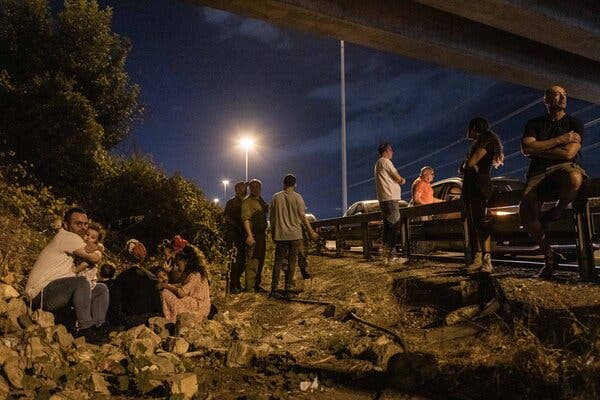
{"x": 7, "y": 292}
{"x": 43, "y": 318}
{"x": 186, "y": 384}
{"x": 99, "y": 384}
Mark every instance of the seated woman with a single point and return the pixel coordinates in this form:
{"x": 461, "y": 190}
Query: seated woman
{"x": 192, "y": 294}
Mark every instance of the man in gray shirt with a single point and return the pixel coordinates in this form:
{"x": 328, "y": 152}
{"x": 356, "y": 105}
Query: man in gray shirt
{"x": 287, "y": 217}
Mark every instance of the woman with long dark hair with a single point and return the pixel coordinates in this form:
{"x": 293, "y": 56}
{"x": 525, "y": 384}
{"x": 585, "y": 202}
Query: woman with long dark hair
{"x": 485, "y": 152}
{"x": 192, "y": 293}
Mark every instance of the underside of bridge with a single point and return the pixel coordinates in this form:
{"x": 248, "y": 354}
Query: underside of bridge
{"x": 535, "y": 43}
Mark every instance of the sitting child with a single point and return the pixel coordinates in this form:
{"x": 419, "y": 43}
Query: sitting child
{"x": 162, "y": 276}
{"x": 94, "y": 235}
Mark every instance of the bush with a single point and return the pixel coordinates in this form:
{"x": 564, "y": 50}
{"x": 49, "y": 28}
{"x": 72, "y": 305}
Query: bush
{"x": 139, "y": 200}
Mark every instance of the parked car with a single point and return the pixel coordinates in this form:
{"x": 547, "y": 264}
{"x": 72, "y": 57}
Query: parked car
{"x": 452, "y": 227}
{"x": 310, "y": 217}
{"x": 368, "y": 206}
{"x": 508, "y": 236}
{"x": 353, "y": 236}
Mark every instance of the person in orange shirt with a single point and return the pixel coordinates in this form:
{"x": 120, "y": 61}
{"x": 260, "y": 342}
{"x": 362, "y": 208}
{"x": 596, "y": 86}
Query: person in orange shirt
{"x": 422, "y": 192}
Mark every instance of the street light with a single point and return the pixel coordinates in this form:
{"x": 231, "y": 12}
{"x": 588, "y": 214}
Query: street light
{"x": 225, "y": 182}
{"x": 216, "y": 201}
{"x": 247, "y": 143}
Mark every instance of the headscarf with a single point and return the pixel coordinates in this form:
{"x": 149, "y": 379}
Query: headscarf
{"x": 135, "y": 250}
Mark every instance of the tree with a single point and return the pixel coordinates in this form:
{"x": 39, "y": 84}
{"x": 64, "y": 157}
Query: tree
{"x": 65, "y": 97}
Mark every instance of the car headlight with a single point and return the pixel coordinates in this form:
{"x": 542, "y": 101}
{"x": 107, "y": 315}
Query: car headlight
{"x": 500, "y": 213}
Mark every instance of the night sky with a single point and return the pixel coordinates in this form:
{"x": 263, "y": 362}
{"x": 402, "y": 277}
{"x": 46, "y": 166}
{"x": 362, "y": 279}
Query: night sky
{"x": 208, "y": 77}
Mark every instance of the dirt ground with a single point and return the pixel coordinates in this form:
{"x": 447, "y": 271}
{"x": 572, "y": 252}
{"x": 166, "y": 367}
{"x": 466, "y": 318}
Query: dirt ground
{"x": 534, "y": 339}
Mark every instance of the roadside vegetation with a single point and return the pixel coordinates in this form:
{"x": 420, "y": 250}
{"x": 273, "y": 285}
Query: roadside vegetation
{"x": 66, "y": 101}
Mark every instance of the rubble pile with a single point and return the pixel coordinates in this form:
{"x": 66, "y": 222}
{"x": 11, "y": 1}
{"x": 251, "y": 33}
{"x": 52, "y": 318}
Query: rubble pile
{"x": 39, "y": 359}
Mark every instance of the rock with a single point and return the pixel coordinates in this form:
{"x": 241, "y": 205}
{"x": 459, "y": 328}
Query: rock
{"x": 6, "y": 353}
{"x": 214, "y": 328}
{"x": 9, "y": 278}
{"x": 469, "y": 291}
{"x": 189, "y": 322}
{"x": 462, "y": 314}
{"x": 8, "y": 292}
{"x": 62, "y": 336}
{"x": 186, "y": 384}
{"x": 141, "y": 347}
{"x": 85, "y": 353}
{"x": 164, "y": 365}
{"x": 385, "y": 352}
{"x": 444, "y": 333}
{"x": 13, "y": 371}
{"x": 223, "y": 318}
{"x": 43, "y": 318}
{"x": 308, "y": 385}
{"x": 25, "y": 321}
{"x": 35, "y": 348}
{"x": 160, "y": 326}
{"x": 71, "y": 394}
{"x": 140, "y": 340}
{"x": 358, "y": 349}
{"x": 240, "y": 354}
{"x": 99, "y": 384}
{"x": 79, "y": 341}
{"x": 112, "y": 353}
{"x": 4, "y": 389}
{"x": 380, "y": 351}
{"x": 262, "y": 350}
{"x": 408, "y": 371}
{"x": 176, "y": 345}
{"x": 143, "y": 332}
{"x": 14, "y": 309}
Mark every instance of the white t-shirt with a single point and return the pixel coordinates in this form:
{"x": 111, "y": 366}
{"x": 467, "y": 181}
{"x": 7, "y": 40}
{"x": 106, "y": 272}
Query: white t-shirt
{"x": 285, "y": 215}
{"x": 54, "y": 262}
{"x": 387, "y": 187}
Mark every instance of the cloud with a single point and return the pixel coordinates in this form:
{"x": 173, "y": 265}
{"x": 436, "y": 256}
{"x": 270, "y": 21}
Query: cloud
{"x": 396, "y": 108}
{"x": 232, "y": 26}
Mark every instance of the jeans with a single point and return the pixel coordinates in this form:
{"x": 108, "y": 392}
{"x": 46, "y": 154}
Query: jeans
{"x": 283, "y": 248}
{"x": 90, "y": 305}
{"x": 255, "y": 260}
{"x": 391, "y": 214}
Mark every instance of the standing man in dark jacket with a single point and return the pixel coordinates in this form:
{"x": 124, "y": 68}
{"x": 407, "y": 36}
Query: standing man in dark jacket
{"x": 254, "y": 218}
{"x": 233, "y": 233}
{"x": 552, "y": 143}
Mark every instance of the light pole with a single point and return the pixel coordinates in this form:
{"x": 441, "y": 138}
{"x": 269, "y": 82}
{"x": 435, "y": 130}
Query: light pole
{"x": 216, "y": 201}
{"x": 225, "y": 182}
{"x": 247, "y": 144}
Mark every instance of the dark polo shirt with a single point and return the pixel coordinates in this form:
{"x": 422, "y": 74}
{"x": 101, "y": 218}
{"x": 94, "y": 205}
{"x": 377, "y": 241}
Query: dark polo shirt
{"x": 544, "y": 128}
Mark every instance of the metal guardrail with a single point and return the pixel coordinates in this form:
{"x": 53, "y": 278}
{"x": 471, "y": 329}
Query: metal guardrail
{"x": 582, "y": 228}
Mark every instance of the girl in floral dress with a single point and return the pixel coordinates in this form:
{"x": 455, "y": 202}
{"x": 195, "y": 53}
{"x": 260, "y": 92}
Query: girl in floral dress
{"x": 192, "y": 294}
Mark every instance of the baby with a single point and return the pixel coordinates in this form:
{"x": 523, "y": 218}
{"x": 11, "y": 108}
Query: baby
{"x": 162, "y": 276}
{"x": 94, "y": 235}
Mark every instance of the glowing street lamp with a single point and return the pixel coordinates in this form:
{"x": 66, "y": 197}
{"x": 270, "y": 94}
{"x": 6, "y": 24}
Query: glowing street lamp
{"x": 216, "y": 201}
{"x": 246, "y": 143}
{"x": 225, "y": 182}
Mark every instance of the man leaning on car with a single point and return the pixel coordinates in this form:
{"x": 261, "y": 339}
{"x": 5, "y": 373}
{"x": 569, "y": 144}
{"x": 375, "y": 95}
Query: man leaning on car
{"x": 552, "y": 143}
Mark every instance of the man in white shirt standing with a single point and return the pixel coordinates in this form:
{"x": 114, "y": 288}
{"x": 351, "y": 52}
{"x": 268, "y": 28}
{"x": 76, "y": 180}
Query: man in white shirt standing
{"x": 52, "y": 284}
{"x": 388, "y": 181}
